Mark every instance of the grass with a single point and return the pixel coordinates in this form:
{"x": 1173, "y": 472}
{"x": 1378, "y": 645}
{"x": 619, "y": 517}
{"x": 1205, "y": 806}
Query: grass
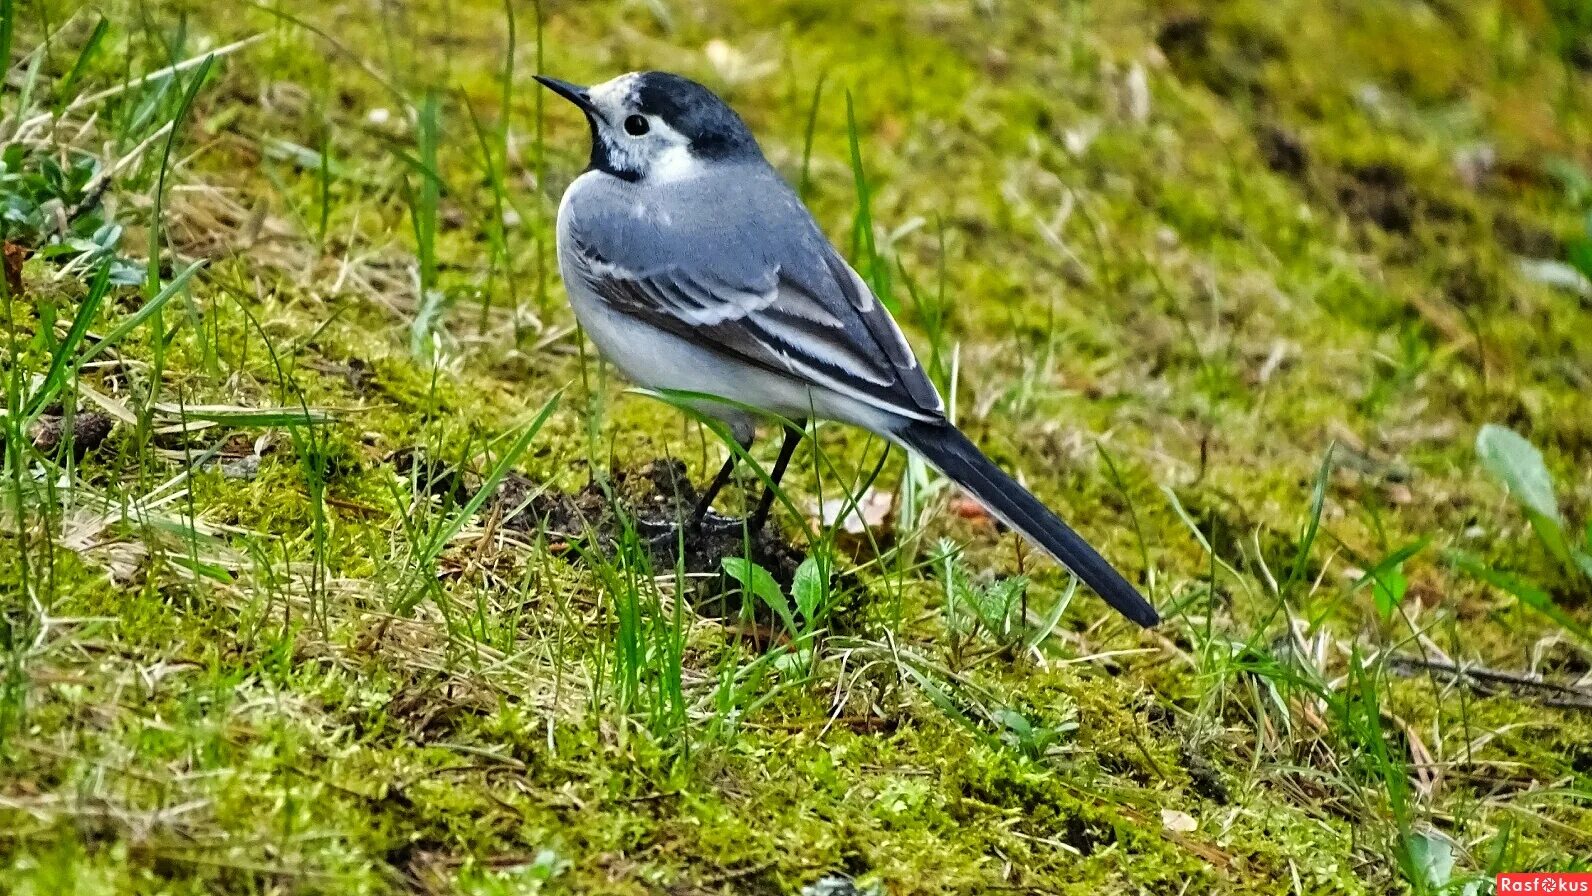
{"x": 1238, "y": 288}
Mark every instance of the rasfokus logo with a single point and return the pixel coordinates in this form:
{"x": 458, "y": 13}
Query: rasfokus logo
{"x": 1544, "y": 884}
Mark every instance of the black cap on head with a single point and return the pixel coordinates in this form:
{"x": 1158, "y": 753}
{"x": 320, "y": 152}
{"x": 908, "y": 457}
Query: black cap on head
{"x": 713, "y": 128}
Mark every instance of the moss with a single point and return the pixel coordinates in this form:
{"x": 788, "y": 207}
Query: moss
{"x": 1160, "y": 321}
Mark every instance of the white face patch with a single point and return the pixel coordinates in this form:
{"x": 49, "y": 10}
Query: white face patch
{"x": 615, "y": 94}
{"x": 661, "y": 154}
{"x": 675, "y": 162}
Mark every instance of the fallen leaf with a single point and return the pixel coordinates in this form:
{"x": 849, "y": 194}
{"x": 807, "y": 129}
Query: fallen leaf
{"x": 871, "y": 514}
{"x": 1556, "y": 274}
{"x": 968, "y": 508}
{"x": 14, "y": 256}
{"x": 1178, "y": 822}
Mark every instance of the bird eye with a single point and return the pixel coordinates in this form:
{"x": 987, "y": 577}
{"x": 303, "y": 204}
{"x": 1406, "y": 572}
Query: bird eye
{"x": 636, "y": 125}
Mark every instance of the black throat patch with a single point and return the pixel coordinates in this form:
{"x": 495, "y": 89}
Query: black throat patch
{"x": 602, "y": 158}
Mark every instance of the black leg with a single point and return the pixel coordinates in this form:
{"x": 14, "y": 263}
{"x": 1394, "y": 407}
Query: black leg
{"x": 719, "y": 481}
{"x": 793, "y": 437}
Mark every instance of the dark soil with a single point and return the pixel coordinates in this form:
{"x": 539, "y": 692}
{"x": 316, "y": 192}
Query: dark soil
{"x": 655, "y": 502}
{"x": 1524, "y": 238}
{"x": 1381, "y": 194}
{"x": 433, "y": 477}
{"x": 1283, "y": 151}
{"x": 658, "y": 501}
{"x": 87, "y": 432}
{"x": 1228, "y": 57}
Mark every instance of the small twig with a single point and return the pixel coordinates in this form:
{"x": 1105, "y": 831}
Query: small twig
{"x": 1495, "y": 681}
{"x": 96, "y": 188}
{"x": 734, "y": 874}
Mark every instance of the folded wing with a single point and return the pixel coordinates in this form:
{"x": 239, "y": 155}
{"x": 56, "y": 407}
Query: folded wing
{"x": 747, "y": 273}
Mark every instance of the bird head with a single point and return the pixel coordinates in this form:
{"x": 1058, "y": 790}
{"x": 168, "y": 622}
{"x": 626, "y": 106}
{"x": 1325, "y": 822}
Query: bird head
{"x": 657, "y": 126}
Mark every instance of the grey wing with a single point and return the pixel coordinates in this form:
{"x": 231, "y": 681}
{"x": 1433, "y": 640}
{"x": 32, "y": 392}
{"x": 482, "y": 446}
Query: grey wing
{"x": 771, "y": 292}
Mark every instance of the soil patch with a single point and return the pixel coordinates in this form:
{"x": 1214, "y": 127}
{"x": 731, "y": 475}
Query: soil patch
{"x": 649, "y": 508}
{"x": 83, "y": 432}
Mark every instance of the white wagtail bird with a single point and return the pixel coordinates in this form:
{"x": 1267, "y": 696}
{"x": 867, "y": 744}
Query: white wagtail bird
{"x": 693, "y": 267}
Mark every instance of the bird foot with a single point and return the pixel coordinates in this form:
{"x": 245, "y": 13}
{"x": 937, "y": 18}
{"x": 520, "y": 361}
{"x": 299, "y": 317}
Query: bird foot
{"x": 711, "y": 525}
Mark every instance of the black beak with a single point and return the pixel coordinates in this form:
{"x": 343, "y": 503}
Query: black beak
{"x": 572, "y": 92}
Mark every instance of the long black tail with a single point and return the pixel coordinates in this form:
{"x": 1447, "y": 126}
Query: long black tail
{"x": 944, "y": 446}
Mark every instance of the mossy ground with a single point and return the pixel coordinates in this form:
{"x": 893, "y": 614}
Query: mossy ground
{"x": 1171, "y": 254}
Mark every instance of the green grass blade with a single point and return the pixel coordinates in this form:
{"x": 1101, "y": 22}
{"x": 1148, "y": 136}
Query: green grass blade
{"x": 1386, "y": 578}
{"x": 1527, "y": 593}
{"x": 266, "y": 418}
{"x": 497, "y": 232}
{"x": 759, "y": 583}
{"x": 152, "y": 277}
{"x": 149, "y": 309}
{"x": 1318, "y": 500}
{"x": 85, "y": 57}
{"x": 7, "y": 22}
{"x": 30, "y": 80}
{"x": 878, "y": 274}
{"x": 61, "y": 364}
{"x": 500, "y": 470}
{"x": 807, "y": 139}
